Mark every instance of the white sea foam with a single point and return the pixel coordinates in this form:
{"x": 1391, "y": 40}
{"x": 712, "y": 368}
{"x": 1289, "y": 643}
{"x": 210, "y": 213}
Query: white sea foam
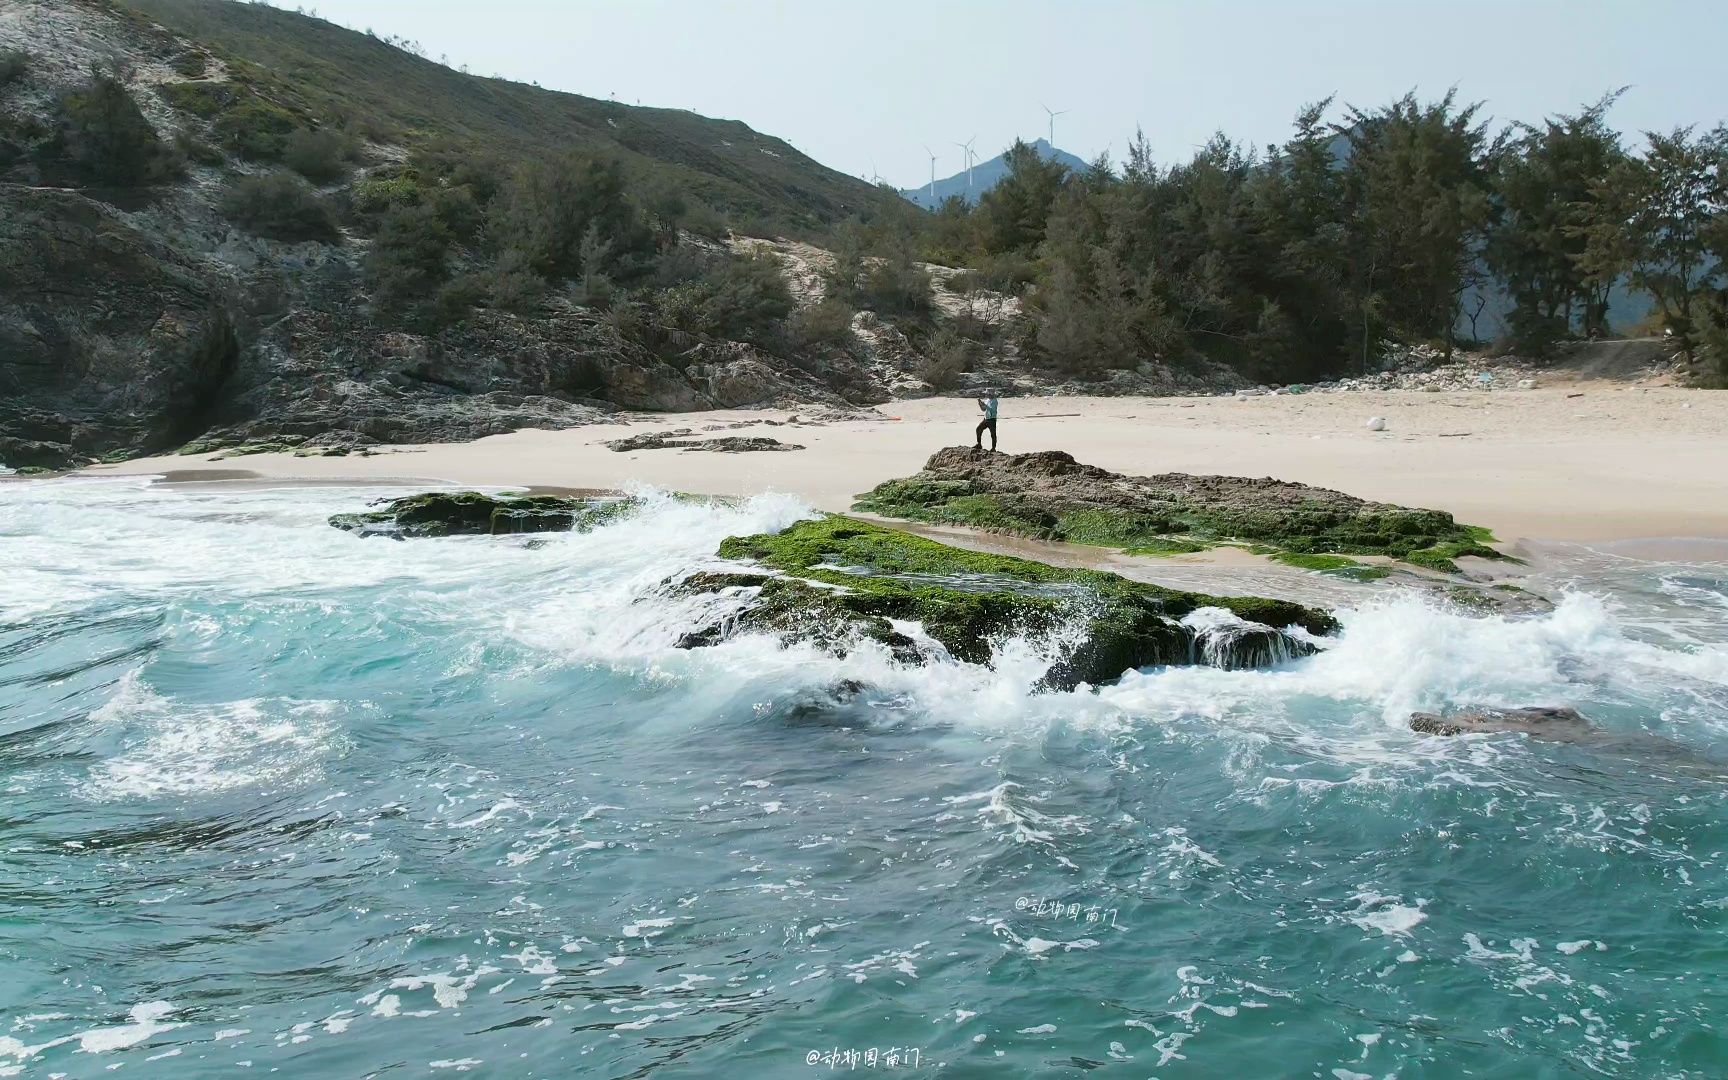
{"x": 1387, "y": 914}
{"x": 174, "y": 748}
{"x": 147, "y": 1020}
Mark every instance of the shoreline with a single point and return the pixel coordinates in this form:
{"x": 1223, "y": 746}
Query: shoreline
{"x": 1578, "y": 462}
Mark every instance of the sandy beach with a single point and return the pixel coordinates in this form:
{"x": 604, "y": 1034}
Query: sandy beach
{"x": 1573, "y": 461}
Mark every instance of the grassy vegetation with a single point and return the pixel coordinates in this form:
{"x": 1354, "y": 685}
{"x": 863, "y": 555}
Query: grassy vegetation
{"x": 964, "y": 599}
{"x": 280, "y": 207}
{"x": 300, "y": 71}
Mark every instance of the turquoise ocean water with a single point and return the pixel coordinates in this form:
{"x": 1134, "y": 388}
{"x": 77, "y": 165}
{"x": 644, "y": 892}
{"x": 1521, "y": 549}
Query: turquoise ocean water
{"x": 278, "y": 800}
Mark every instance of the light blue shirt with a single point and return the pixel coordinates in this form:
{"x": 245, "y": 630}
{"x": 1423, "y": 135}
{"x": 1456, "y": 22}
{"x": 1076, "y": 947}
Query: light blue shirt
{"x": 989, "y": 408}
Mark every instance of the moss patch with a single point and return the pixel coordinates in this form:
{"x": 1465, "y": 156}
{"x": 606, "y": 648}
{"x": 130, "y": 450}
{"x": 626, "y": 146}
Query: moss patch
{"x": 1440, "y": 556}
{"x": 1168, "y": 546}
{"x": 1332, "y": 565}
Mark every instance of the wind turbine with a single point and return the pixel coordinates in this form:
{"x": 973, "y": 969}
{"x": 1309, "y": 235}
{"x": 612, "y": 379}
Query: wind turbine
{"x": 932, "y": 154}
{"x": 1053, "y": 116}
{"x": 968, "y": 157}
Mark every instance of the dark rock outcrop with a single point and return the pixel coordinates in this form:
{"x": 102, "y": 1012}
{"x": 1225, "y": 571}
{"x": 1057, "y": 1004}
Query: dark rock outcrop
{"x": 1542, "y": 721}
{"x": 109, "y": 338}
{"x": 452, "y": 513}
{"x": 139, "y": 318}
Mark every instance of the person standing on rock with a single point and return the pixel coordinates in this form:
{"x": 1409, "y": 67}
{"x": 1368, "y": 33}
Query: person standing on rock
{"x": 986, "y": 405}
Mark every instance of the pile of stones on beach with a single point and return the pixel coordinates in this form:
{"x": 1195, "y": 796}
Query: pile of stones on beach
{"x": 1425, "y": 368}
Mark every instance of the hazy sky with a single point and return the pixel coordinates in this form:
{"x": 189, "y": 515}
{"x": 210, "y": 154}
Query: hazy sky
{"x": 863, "y": 85}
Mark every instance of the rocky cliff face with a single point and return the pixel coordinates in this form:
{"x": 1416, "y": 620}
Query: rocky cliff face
{"x": 109, "y": 336}
{"x": 137, "y": 319}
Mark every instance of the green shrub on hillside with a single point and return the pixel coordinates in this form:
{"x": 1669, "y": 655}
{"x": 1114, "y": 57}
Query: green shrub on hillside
{"x": 1007, "y": 273}
{"x": 14, "y": 63}
{"x": 895, "y": 286}
{"x": 206, "y": 100}
{"x": 196, "y": 150}
{"x": 549, "y": 207}
{"x": 704, "y": 221}
{"x": 891, "y": 285}
{"x": 948, "y": 357}
{"x": 256, "y": 129}
{"x": 193, "y": 65}
{"x": 320, "y": 156}
{"x": 512, "y": 285}
{"x": 737, "y": 298}
{"x": 748, "y": 297}
{"x": 410, "y": 257}
{"x": 104, "y": 136}
{"x": 380, "y": 194}
{"x": 279, "y": 206}
{"x": 828, "y": 323}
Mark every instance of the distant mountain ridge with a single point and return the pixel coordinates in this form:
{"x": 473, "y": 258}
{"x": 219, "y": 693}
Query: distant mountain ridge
{"x": 985, "y": 175}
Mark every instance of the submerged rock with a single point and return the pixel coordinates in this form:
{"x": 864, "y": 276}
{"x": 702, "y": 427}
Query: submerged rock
{"x": 452, "y": 513}
{"x": 836, "y": 580}
{"x": 1048, "y": 495}
{"x": 1559, "y": 723}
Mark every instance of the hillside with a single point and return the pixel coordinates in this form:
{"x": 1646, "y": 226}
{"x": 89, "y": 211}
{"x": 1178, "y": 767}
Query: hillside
{"x": 223, "y": 224}
{"x": 984, "y": 176}
{"x": 333, "y": 74}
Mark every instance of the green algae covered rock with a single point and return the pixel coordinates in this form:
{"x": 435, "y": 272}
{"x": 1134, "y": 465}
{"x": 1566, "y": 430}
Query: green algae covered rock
{"x": 453, "y": 513}
{"x": 1050, "y": 496}
{"x": 838, "y": 577}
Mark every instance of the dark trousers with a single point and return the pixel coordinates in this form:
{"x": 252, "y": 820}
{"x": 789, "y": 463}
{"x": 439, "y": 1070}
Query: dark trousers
{"x": 983, "y": 426}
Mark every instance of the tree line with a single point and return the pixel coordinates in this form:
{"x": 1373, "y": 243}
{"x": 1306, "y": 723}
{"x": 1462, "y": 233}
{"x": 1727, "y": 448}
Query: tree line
{"x": 1310, "y": 260}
